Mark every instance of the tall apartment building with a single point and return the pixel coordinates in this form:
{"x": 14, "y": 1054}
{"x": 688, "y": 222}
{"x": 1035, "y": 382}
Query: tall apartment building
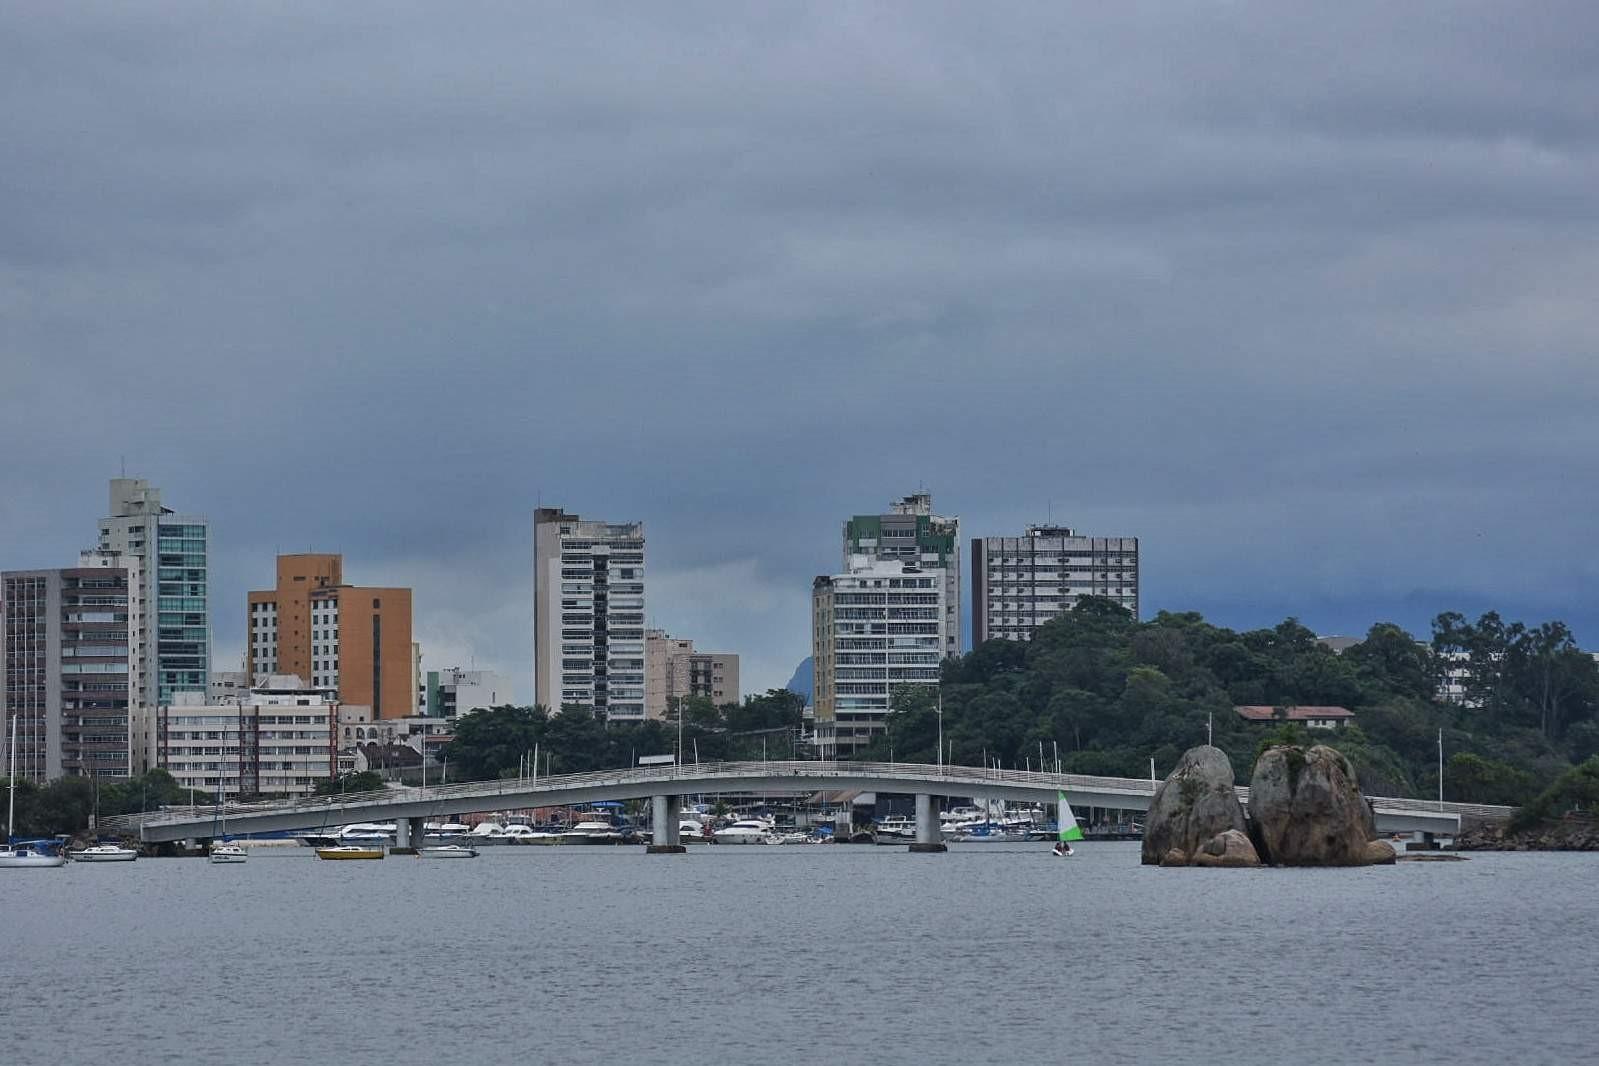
{"x": 455, "y": 691}
{"x": 911, "y": 533}
{"x": 71, "y": 667}
{"x": 174, "y": 615}
{"x": 1019, "y": 583}
{"x": 879, "y": 625}
{"x": 351, "y": 639}
{"x": 588, "y": 614}
{"x": 278, "y": 738}
{"x": 674, "y": 670}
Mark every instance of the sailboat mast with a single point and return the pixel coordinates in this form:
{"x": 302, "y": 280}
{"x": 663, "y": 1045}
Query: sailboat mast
{"x": 11, "y": 783}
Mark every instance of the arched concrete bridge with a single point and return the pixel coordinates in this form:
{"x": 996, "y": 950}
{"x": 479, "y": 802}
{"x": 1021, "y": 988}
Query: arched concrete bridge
{"x": 665, "y": 785}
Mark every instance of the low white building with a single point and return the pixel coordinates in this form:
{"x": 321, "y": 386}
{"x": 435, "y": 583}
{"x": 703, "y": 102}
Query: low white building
{"x": 447, "y": 693}
{"x": 276, "y": 739}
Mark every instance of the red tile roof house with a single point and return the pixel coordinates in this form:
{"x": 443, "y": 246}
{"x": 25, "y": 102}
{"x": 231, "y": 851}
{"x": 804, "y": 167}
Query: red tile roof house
{"x": 1309, "y": 717}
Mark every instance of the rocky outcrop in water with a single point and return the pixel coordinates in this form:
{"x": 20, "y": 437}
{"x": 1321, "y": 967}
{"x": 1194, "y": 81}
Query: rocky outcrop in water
{"x": 1232, "y": 848}
{"x": 1307, "y": 809}
{"x": 1192, "y": 806}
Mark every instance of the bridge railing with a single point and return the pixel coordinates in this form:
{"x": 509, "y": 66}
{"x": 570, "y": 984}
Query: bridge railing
{"x": 527, "y": 790}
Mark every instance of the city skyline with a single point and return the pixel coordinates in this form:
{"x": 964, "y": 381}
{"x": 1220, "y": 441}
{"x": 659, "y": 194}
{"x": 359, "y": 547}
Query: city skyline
{"x": 1317, "y": 333}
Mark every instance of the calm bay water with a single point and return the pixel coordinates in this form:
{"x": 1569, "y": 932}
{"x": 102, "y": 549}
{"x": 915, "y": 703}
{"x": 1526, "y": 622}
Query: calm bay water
{"x": 990, "y": 953}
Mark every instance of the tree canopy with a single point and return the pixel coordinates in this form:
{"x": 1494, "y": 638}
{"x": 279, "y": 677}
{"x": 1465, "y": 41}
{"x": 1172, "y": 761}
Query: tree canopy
{"x": 1110, "y": 693}
{"x": 496, "y": 741}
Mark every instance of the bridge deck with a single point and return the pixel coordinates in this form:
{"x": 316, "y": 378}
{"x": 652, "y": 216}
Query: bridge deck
{"x": 753, "y": 777}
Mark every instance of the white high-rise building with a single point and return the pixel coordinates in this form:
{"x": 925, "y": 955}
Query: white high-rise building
{"x": 1019, "y": 583}
{"x": 588, "y": 614}
{"x": 911, "y": 533}
{"x": 879, "y": 625}
{"x": 174, "y": 621}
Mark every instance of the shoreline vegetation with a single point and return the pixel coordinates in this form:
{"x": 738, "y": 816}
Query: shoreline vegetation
{"x": 1113, "y": 692}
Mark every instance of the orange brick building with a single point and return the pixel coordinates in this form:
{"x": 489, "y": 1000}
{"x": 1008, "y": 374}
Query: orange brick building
{"x": 354, "y": 640}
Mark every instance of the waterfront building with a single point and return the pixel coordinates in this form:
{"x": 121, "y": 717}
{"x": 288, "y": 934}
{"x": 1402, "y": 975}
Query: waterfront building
{"x": 276, "y": 739}
{"x": 350, "y": 639}
{"x": 911, "y": 533}
{"x": 72, "y": 661}
{"x": 447, "y": 693}
{"x": 1019, "y": 583}
{"x": 878, "y": 626}
{"x": 588, "y": 614}
{"x": 675, "y": 670}
{"x": 174, "y": 565}
{"x": 1309, "y": 717}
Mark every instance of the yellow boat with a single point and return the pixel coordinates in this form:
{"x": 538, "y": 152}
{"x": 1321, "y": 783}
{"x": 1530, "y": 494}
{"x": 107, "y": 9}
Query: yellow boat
{"x": 349, "y": 851}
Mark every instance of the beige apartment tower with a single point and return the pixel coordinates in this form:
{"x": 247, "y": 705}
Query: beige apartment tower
{"x": 350, "y": 639}
{"x": 674, "y": 669}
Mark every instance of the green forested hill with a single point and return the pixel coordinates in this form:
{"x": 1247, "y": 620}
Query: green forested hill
{"x": 1112, "y": 692}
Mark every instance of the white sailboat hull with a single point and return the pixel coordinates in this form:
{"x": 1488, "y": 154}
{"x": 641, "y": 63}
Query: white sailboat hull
{"x": 31, "y": 862}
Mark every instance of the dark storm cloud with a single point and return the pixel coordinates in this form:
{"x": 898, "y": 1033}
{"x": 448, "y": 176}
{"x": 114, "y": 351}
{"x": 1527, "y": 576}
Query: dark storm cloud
{"x": 1301, "y": 297}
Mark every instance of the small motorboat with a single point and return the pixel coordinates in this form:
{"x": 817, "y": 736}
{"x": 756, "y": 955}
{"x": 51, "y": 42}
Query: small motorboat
{"x": 104, "y": 853}
{"x": 228, "y": 852}
{"x": 349, "y": 851}
{"x": 448, "y": 851}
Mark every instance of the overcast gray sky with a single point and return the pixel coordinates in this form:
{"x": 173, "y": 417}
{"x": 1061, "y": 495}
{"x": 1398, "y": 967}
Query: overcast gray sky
{"x": 1301, "y": 295}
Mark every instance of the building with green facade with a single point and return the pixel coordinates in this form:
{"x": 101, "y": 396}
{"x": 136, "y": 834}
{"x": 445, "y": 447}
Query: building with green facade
{"x": 174, "y": 551}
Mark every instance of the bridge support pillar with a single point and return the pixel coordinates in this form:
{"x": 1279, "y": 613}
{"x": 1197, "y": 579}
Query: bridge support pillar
{"x": 663, "y": 826}
{"x": 927, "y": 835}
{"x": 409, "y": 834}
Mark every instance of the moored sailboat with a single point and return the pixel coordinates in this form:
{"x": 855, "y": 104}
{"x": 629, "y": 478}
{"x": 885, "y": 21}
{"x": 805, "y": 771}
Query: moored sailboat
{"x": 20, "y": 856}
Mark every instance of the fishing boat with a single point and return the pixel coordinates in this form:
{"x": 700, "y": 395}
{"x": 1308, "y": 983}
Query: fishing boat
{"x": 21, "y": 856}
{"x": 1069, "y": 830}
{"x": 349, "y": 851}
{"x": 448, "y": 851}
{"x": 104, "y": 853}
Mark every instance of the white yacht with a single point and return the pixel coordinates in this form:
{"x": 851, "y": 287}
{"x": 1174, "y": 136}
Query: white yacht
{"x": 485, "y": 833}
{"x": 104, "y": 853}
{"x": 744, "y": 831}
{"x": 448, "y": 851}
{"x": 896, "y": 827}
{"x": 446, "y": 832}
{"x": 592, "y": 833}
{"x": 367, "y": 833}
{"x": 228, "y": 852}
{"x": 691, "y": 832}
{"x": 525, "y": 834}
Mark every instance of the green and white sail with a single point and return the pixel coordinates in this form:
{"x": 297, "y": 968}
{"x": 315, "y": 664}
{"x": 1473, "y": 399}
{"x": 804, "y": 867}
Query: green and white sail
{"x": 1068, "y": 822}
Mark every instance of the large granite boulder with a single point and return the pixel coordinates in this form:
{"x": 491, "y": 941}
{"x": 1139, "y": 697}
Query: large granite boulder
{"x": 1307, "y": 809}
{"x": 1195, "y": 803}
{"x": 1229, "y": 849}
